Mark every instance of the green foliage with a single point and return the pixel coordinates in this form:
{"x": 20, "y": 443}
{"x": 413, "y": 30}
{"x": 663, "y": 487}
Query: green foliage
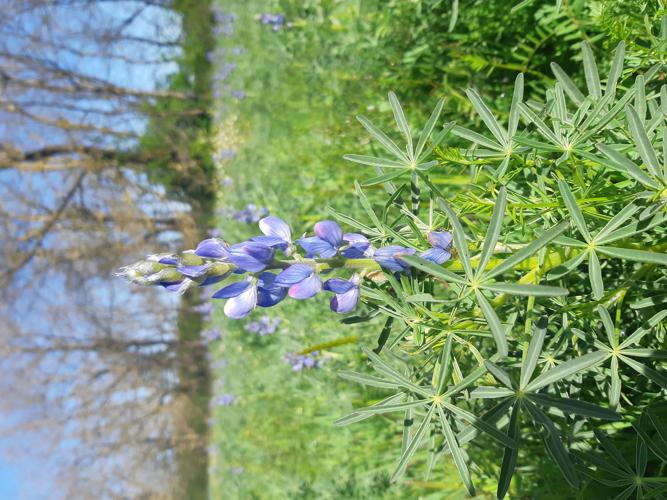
{"x": 533, "y": 187}
{"x": 553, "y": 182}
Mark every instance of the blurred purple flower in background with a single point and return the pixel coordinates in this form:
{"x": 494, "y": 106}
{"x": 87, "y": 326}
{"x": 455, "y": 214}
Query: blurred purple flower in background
{"x": 276, "y": 21}
{"x": 263, "y": 326}
{"x": 225, "y": 400}
{"x": 250, "y": 214}
{"x": 211, "y": 334}
{"x": 238, "y": 94}
{"x": 300, "y": 362}
{"x": 204, "y": 309}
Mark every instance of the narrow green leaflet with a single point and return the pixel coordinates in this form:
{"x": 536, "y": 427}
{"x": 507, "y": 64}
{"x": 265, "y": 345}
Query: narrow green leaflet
{"x": 534, "y": 351}
{"x": 526, "y": 290}
{"x": 575, "y": 406}
{"x": 382, "y": 138}
{"x": 566, "y": 369}
{"x": 510, "y": 455}
{"x": 517, "y": 98}
{"x": 595, "y": 275}
{"x": 414, "y": 444}
{"x": 591, "y": 71}
{"x": 527, "y": 251}
{"x": 487, "y": 117}
{"x": 402, "y": 123}
{"x": 493, "y": 231}
{"x": 428, "y": 128}
{"x": 433, "y": 269}
{"x": 632, "y": 254}
{"x": 460, "y": 242}
{"x": 574, "y": 210}
{"x": 456, "y": 452}
{"x": 370, "y": 380}
{"x": 642, "y": 141}
{"x": 493, "y": 321}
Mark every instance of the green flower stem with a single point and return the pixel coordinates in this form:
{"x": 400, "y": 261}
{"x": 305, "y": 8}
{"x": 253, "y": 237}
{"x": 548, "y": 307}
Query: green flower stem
{"x": 353, "y": 339}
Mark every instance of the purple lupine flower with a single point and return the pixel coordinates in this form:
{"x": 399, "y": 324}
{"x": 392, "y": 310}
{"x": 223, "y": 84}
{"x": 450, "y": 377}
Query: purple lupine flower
{"x": 242, "y": 298}
{"x": 328, "y": 237}
{"x": 441, "y": 242}
{"x": 299, "y": 362}
{"x": 251, "y": 256}
{"x": 213, "y": 248}
{"x": 268, "y": 292}
{"x": 389, "y": 257}
{"x": 225, "y": 400}
{"x": 277, "y": 233}
{"x": 227, "y": 181}
{"x": 346, "y": 293}
{"x": 214, "y": 233}
{"x": 211, "y": 334}
{"x": 358, "y": 246}
{"x": 237, "y": 51}
{"x": 301, "y": 280}
{"x": 238, "y": 94}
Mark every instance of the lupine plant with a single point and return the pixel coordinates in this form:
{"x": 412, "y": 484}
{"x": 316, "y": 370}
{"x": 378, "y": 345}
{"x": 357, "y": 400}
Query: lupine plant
{"x": 524, "y": 313}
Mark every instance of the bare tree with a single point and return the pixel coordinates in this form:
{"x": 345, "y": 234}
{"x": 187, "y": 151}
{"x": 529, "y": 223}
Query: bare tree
{"x": 102, "y": 374}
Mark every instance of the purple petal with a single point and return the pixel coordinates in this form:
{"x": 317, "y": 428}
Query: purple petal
{"x": 345, "y": 302}
{"x": 358, "y": 247}
{"x": 437, "y": 255}
{"x": 385, "y": 256}
{"x": 337, "y": 285}
{"x": 193, "y": 271}
{"x": 170, "y": 260}
{"x": 275, "y": 226}
{"x": 269, "y": 298}
{"x": 307, "y": 288}
{"x": 250, "y": 256}
{"x": 268, "y": 292}
{"x": 440, "y": 239}
{"x": 256, "y": 250}
{"x": 213, "y": 248}
{"x": 293, "y": 274}
{"x": 210, "y": 280}
{"x": 270, "y": 241}
{"x": 241, "y": 305}
{"x": 330, "y": 232}
{"x": 232, "y": 290}
{"x": 317, "y": 246}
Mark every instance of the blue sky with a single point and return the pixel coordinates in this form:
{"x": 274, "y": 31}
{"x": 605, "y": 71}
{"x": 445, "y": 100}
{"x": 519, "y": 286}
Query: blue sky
{"x": 18, "y": 477}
